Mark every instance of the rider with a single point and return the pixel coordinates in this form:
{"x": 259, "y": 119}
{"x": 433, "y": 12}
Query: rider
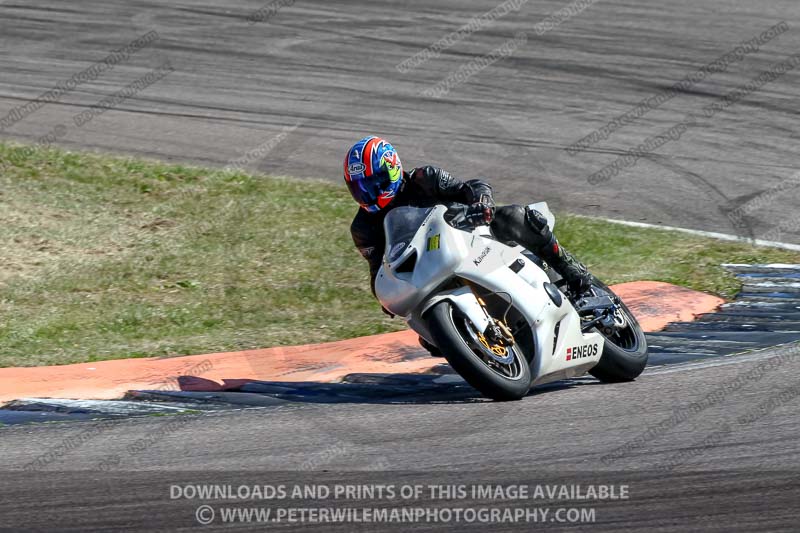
{"x": 377, "y": 181}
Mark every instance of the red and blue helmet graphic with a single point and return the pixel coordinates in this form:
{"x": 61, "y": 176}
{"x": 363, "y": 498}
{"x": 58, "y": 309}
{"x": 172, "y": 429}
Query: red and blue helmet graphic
{"x": 373, "y": 173}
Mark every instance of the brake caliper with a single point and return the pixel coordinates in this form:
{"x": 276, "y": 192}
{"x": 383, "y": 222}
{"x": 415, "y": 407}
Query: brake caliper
{"x": 497, "y": 349}
{"x": 497, "y": 335}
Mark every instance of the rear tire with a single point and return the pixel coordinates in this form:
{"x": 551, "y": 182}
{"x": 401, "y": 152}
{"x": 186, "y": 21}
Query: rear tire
{"x": 624, "y": 354}
{"x": 470, "y": 362}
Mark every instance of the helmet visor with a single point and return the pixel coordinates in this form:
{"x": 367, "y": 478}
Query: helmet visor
{"x": 366, "y": 191}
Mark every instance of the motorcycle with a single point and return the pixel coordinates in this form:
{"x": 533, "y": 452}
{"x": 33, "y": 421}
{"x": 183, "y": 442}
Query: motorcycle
{"x": 503, "y": 320}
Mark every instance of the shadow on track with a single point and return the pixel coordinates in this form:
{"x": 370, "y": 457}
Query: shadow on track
{"x": 353, "y": 388}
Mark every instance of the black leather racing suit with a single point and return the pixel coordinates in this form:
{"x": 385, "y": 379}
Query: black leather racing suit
{"x": 428, "y": 186}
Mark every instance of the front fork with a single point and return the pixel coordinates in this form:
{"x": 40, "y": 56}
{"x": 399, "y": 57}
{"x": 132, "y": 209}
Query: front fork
{"x": 474, "y": 308}
{"x": 497, "y": 332}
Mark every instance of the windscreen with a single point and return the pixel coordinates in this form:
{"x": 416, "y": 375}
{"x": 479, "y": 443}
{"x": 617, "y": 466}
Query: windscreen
{"x": 400, "y": 225}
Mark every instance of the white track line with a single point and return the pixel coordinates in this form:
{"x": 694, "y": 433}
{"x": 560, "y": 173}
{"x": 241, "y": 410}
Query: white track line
{"x": 791, "y": 349}
{"x": 761, "y": 268}
{"x": 711, "y": 234}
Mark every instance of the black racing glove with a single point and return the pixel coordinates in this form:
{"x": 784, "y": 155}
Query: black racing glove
{"x": 480, "y": 213}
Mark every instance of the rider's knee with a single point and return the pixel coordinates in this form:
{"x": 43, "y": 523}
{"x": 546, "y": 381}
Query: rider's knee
{"x": 538, "y": 223}
{"x": 510, "y": 215}
{"x": 508, "y": 221}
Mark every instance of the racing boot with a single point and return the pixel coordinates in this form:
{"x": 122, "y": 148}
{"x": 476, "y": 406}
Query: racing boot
{"x": 573, "y": 271}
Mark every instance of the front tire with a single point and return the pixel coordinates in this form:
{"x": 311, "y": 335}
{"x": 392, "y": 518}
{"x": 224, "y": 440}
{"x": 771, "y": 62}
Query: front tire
{"x": 454, "y": 334}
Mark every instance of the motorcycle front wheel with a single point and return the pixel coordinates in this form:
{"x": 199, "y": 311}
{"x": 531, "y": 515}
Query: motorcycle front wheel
{"x": 500, "y": 373}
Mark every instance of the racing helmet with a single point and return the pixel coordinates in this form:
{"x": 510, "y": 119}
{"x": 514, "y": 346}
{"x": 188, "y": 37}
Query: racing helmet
{"x": 373, "y": 173}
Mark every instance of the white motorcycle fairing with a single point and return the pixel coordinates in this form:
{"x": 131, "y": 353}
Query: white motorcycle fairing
{"x": 419, "y": 264}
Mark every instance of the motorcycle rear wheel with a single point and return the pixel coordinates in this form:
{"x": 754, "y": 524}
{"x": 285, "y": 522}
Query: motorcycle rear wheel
{"x": 624, "y": 351}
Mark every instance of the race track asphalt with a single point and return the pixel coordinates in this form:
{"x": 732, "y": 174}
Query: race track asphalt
{"x": 710, "y": 447}
{"x": 324, "y": 74}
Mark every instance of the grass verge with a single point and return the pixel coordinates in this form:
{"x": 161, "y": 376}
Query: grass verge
{"x": 108, "y": 257}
